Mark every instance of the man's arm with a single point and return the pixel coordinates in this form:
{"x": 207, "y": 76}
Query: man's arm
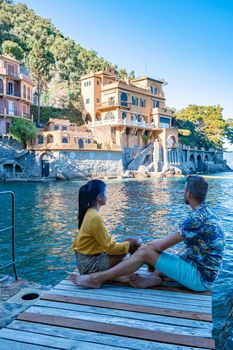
{"x": 160, "y": 245}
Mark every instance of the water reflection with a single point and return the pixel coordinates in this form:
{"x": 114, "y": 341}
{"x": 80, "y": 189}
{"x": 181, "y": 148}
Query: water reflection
{"x": 46, "y": 221}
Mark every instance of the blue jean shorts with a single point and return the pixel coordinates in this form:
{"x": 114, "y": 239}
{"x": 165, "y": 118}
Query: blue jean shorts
{"x": 182, "y": 271}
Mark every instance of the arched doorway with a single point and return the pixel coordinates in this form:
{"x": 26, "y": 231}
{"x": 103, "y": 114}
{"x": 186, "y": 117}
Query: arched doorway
{"x": 88, "y": 118}
{"x": 192, "y": 158}
{"x": 80, "y": 143}
{"x": 45, "y": 164}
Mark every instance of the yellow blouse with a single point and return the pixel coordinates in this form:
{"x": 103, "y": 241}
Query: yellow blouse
{"x": 93, "y": 237}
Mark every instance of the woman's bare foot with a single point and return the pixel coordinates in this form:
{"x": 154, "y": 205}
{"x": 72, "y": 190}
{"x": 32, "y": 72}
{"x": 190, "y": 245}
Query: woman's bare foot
{"x": 145, "y": 281}
{"x": 85, "y": 281}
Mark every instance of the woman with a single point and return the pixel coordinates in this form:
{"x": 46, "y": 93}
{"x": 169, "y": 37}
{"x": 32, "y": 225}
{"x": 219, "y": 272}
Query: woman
{"x": 95, "y": 249}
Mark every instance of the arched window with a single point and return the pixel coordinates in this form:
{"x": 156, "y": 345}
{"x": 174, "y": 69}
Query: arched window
{"x": 192, "y": 158}
{"x": 171, "y": 141}
{"x": 1, "y": 87}
{"x": 65, "y": 139}
{"x": 199, "y": 158}
{"x": 206, "y": 158}
{"x": 50, "y": 139}
{"x": 88, "y": 118}
{"x": 109, "y": 115}
{"x": 124, "y": 99}
{"x": 80, "y": 143}
{"x": 10, "y": 89}
{"x": 40, "y": 140}
{"x": 123, "y": 115}
{"x": 98, "y": 116}
{"x": 88, "y": 141}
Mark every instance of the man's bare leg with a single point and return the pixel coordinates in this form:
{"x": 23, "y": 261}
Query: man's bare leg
{"x": 144, "y": 255}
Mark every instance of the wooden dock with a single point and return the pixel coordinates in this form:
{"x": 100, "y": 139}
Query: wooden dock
{"x": 113, "y": 317}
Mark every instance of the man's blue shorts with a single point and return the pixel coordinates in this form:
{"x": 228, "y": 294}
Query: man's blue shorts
{"x": 182, "y": 271}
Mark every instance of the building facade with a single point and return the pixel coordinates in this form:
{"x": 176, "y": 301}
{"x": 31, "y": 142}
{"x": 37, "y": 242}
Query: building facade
{"x": 61, "y": 134}
{"x": 15, "y": 93}
{"x": 127, "y": 113}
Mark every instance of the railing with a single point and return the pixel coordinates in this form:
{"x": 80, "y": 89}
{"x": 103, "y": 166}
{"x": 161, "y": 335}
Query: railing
{"x": 12, "y": 228}
{"x": 113, "y": 104}
{"x": 13, "y": 93}
{"x": 1, "y": 91}
{"x": 116, "y": 121}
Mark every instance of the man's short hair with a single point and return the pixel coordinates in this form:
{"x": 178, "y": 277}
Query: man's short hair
{"x": 198, "y": 186}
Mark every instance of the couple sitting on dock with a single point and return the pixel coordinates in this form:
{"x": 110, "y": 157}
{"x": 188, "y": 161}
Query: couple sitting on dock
{"x": 100, "y": 258}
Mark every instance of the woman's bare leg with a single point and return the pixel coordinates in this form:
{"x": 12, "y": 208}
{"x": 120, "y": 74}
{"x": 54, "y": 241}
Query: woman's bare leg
{"x": 113, "y": 261}
{"x": 143, "y": 255}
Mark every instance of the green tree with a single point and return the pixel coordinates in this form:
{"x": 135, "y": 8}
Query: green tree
{"x": 23, "y": 130}
{"x": 229, "y": 130}
{"x": 12, "y": 49}
{"x": 207, "y": 123}
{"x": 40, "y": 64}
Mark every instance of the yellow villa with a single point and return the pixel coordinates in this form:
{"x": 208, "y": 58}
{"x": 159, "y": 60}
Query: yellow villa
{"x": 127, "y": 113}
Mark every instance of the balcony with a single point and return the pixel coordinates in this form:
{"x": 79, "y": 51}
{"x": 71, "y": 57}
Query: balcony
{"x": 13, "y": 93}
{"x": 124, "y": 122}
{"x": 112, "y": 105}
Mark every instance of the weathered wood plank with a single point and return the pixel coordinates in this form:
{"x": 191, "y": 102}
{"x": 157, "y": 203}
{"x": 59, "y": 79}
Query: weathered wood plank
{"x": 85, "y": 293}
{"x": 120, "y": 319}
{"x": 6, "y": 344}
{"x": 149, "y": 291}
{"x": 105, "y": 339}
{"x": 130, "y": 332}
{"x": 48, "y": 340}
{"x": 140, "y": 293}
{"x": 183, "y": 315}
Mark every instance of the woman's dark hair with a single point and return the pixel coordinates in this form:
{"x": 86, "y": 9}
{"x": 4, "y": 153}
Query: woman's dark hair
{"x": 87, "y": 196}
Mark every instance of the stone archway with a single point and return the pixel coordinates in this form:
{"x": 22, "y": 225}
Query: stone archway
{"x": 45, "y": 160}
{"x": 88, "y": 118}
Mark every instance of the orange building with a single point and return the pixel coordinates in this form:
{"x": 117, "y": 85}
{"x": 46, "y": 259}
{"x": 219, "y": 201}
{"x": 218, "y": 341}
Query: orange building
{"x": 15, "y": 93}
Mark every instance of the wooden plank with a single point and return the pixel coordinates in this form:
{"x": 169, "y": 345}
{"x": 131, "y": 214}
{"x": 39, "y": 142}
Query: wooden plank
{"x": 130, "y": 332}
{"x": 120, "y": 319}
{"x": 15, "y": 345}
{"x": 128, "y": 307}
{"x": 140, "y": 294}
{"x": 122, "y": 299}
{"x": 130, "y": 314}
{"x": 106, "y": 339}
{"x": 149, "y": 291}
{"x": 48, "y": 340}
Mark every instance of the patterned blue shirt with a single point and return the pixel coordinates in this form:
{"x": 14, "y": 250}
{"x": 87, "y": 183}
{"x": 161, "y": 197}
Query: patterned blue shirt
{"x": 205, "y": 241}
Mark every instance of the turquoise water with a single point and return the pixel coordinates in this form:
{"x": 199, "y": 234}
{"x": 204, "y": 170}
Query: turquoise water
{"x": 46, "y": 222}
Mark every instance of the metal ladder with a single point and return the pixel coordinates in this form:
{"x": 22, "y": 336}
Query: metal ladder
{"x": 12, "y": 228}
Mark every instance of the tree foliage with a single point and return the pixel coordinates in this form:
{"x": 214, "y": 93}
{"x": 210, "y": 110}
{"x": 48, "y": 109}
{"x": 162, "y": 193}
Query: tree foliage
{"x": 11, "y": 48}
{"x": 21, "y": 25}
{"x": 206, "y": 123}
{"x": 23, "y": 131}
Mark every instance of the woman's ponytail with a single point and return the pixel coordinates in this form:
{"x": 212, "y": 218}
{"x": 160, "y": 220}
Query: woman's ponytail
{"x": 87, "y": 197}
{"x": 82, "y": 204}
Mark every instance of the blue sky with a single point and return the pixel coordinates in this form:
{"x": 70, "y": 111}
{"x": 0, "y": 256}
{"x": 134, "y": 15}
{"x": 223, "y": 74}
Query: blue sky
{"x": 187, "y": 42}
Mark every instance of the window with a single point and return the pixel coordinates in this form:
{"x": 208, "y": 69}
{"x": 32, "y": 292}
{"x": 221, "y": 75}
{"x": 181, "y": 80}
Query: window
{"x": 164, "y": 122}
{"x": 40, "y": 140}
{"x": 154, "y": 90}
{"x": 10, "y": 89}
{"x": 134, "y": 101}
{"x": 1, "y": 86}
{"x": 28, "y": 95}
{"x": 109, "y": 115}
{"x": 64, "y": 128}
{"x": 123, "y": 115}
{"x": 65, "y": 139}
{"x": 142, "y": 102}
{"x": 124, "y": 99}
{"x": 56, "y": 127}
{"x": 88, "y": 141}
{"x": 89, "y": 83}
{"x": 156, "y": 104}
{"x": 87, "y": 100}
{"x": 98, "y": 82}
{"x": 98, "y": 100}
{"x": 24, "y": 91}
{"x": 7, "y": 128}
{"x": 11, "y": 107}
{"x": 113, "y": 130}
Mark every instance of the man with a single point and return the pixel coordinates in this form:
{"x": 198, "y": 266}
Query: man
{"x": 196, "y": 267}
